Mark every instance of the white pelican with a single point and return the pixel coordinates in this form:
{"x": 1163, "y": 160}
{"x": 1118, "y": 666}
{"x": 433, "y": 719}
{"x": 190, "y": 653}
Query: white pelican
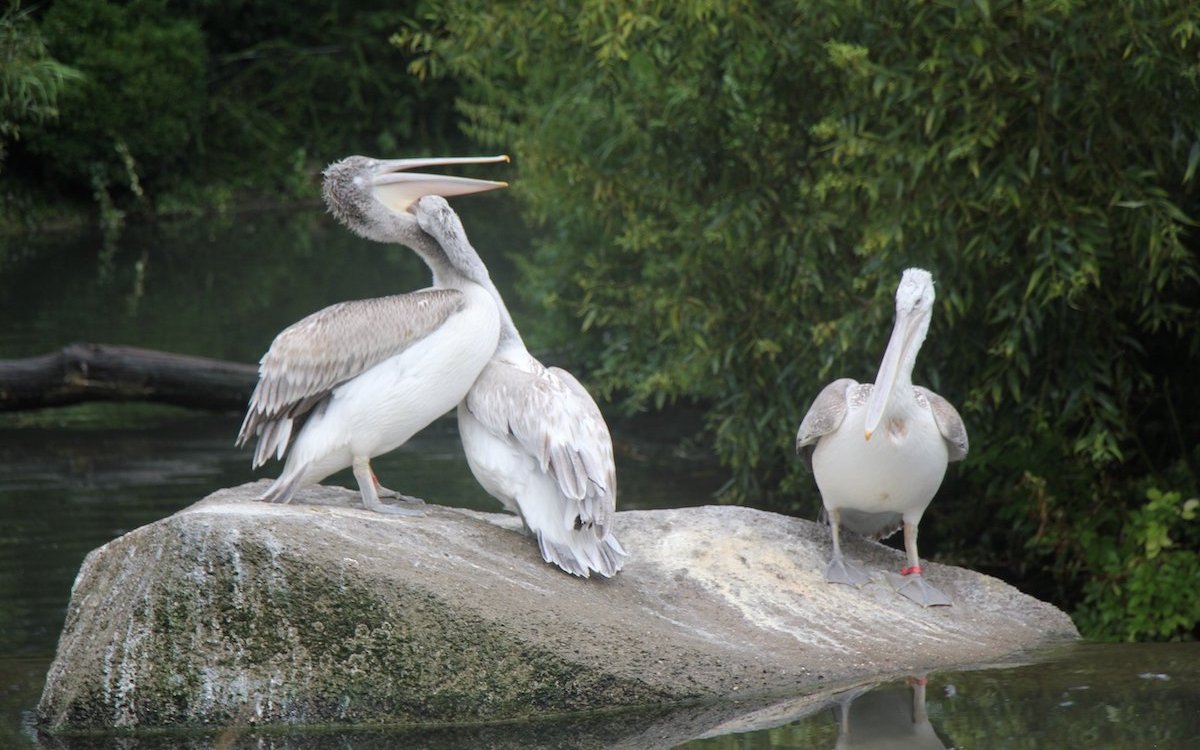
{"x": 536, "y": 441}
{"x": 887, "y": 717}
{"x": 876, "y": 486}
{"x": 358, "y": 379}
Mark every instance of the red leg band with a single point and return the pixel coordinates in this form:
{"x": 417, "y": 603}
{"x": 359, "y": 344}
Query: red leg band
{"x": 912, "y": 570}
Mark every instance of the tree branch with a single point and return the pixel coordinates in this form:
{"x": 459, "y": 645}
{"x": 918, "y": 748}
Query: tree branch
{"x": 99, "y": 372}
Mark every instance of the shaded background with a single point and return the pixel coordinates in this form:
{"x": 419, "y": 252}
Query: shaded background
{"x": 724, "y": 196}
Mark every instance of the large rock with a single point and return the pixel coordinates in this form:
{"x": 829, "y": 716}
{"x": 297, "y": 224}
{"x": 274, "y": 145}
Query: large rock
{"x": 239, "y": 612}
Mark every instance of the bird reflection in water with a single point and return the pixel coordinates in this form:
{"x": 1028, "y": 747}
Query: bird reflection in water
{"x": 887, "y": 716}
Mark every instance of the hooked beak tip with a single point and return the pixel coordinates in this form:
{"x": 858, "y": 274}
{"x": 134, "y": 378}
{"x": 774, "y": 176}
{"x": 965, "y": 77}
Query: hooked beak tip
{"x": 868, "y": 434}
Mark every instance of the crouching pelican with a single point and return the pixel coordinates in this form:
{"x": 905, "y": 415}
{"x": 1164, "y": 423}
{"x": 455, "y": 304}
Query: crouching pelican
{"x": 876, "y": 486}
{"x": 358, "y": 379}
{"x": 536, "y": 441}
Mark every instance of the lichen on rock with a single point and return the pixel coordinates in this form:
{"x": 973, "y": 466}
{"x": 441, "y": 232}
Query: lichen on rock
{"x": 239, "y": 612}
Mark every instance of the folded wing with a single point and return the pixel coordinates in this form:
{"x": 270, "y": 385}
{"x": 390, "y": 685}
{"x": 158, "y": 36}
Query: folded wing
{"x": 553, "y": 419}
{"x": 310, "y": 358}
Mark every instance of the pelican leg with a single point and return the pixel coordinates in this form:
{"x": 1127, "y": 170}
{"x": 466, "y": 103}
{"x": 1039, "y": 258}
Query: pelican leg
{"x": 382, "y": 491}
{"x": 838, "y": 570}
{"x": 367, "y": 485}
{"x": 911, "y": 584}
{"x": 919, "y": 712}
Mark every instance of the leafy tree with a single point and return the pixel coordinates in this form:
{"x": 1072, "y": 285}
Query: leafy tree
{"x": 1141, "y": 567}
{"x": 186, "y": 102}
{"x": 293, "y": 81}
{"x": 731, "y": 189}
{"x": 30, "y": 79}
{"x": 140, "y": 109}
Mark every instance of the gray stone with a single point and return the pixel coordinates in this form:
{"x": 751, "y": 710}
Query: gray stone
{"x": 235, "y": 612}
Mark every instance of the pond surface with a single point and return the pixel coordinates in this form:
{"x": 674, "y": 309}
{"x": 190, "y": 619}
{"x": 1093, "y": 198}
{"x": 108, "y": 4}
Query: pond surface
{"x": 73, "y": 479}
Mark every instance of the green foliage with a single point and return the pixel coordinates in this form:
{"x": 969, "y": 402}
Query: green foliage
{"x": 329, "y": 86}
{"x": 190, "y": 103}
{"x": 1141, "y": 570}
{"x": 730, "y": 190}
{"x": 135, "y": 119}
{"x": 30, "y": 79}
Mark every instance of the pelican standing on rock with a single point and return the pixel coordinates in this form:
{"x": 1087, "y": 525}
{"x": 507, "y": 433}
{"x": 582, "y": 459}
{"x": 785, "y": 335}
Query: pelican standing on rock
{"x": 537, "y": 442}
{"x": 358, "y": 379}
{"x": 879, "y": 452}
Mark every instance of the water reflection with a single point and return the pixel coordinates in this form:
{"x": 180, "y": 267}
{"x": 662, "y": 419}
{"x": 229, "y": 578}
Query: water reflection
{"x": 1082, "y": 696}
{"x": 1076, "y": 696}
{"x": 887, "y": 716}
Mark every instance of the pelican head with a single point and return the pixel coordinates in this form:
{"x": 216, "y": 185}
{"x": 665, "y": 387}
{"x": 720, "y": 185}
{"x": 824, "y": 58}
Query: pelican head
{"x": 914, "y": 308}
{"x": 373, "y": 196}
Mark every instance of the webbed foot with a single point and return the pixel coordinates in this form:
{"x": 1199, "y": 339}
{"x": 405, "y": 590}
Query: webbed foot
{"x": 394, "y": 495}
{"x": 914, "y": 586}
{"x": 393, "y": 510}
{"x": 370, "y": 489}
{"x": 840, "y": 571}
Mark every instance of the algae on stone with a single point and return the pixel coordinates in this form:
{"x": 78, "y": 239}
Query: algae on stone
{"x": 236, "y": 612}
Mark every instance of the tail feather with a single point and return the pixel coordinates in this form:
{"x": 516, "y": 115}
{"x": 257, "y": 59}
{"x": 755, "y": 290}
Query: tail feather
{"x": 283, "y": 489}
{"x": 273, "y": 438}
{"x": 583, "y": 554}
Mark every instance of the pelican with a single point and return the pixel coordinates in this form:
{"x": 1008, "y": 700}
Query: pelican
{"x": 537, "y": 442}
{"x": 890, "y": 717}
{"x": 358, "y": 379}
{"x": 876, "y": 486}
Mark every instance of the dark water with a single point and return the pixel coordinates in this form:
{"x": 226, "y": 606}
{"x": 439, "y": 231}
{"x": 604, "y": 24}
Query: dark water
{"x": 73, "y": 479}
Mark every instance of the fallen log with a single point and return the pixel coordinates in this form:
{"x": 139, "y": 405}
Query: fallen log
{"x": 101, "y": 372}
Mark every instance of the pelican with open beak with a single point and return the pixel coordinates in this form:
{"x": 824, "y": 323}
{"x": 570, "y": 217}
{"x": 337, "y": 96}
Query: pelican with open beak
{"x": 358, "y": 379}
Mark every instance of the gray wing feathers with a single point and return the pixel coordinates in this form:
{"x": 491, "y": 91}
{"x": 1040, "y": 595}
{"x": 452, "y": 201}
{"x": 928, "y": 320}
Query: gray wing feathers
{"x": 556, "y": 422}
{"x": 948, "y": 422}
{"x": 591, "y": 455}
{"x": 310, "y": 358}
{"x": 826, "y": 413}
{"x": 823, "y": 417}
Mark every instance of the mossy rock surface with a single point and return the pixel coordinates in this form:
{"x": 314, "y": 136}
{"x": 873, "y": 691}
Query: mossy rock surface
{"x": 236, "y": 612}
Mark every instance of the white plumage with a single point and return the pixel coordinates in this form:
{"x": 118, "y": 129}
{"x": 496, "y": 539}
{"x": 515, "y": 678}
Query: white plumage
{"x": 358, "y": 379}
{"x": 537, "y": 442}
{"x": 879, "y": 451}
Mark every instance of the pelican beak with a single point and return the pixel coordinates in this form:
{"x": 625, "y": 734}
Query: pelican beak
{"x": 906, "y": 334}
{"x": 398, "y": 189}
